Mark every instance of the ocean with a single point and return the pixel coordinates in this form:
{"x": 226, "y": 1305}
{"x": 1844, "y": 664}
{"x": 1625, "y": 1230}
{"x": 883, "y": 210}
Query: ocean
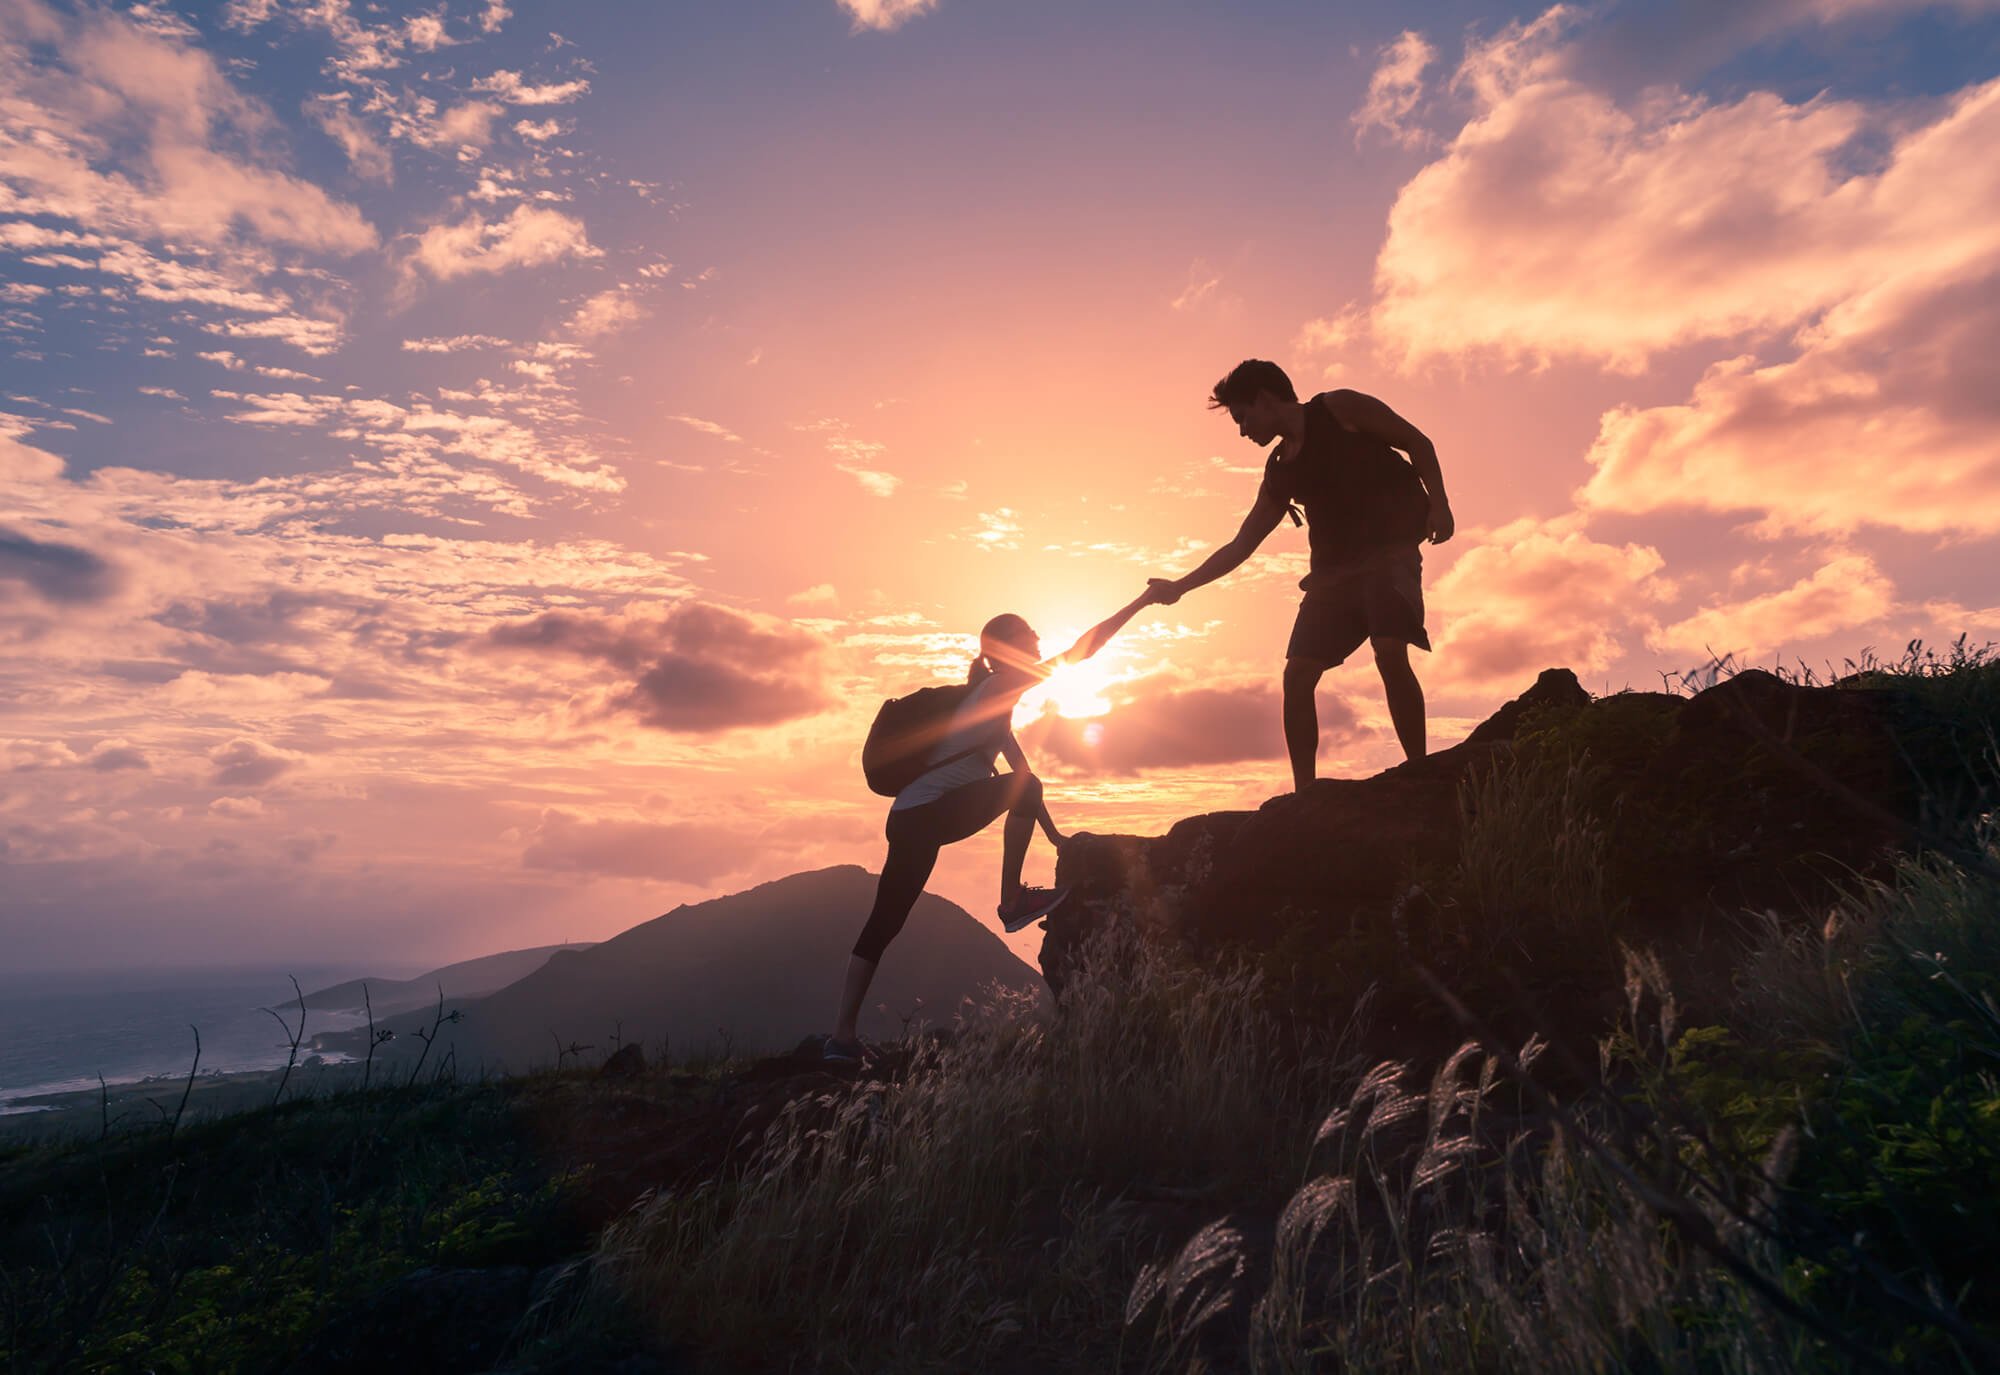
{"x": 58, "y": 1032}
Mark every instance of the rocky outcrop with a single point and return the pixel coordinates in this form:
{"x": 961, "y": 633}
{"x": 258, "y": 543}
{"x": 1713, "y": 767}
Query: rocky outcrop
{"x": 1753, "y": 793}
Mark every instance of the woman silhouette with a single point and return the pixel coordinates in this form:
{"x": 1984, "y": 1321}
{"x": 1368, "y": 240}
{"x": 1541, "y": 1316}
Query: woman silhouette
{"x": 962, "y": 794}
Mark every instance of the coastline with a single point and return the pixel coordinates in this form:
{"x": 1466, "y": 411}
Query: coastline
{"x": 149, "y": 1103}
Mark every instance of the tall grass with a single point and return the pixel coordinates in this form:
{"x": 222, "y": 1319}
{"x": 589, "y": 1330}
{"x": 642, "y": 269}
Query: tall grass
{"x": 993, "y": 1197}
{"x": 1159, "y": 1175}
{"x": 1533, "y": 850}
{"x": 1856, "y": 1230}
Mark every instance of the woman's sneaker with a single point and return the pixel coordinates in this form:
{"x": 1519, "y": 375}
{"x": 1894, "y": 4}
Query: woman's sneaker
{"x": 836, "y": 1051}
{"x": 1029, "y": 905}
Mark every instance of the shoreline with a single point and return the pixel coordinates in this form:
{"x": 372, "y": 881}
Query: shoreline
{"x": 146, "y": 1104}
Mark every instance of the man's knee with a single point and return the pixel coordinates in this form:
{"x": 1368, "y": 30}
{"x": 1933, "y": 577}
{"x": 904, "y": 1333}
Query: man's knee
{"x": 1391, "y": 655}
{"x": 1302, "y": 677}
{"x": 1026, "y": 792}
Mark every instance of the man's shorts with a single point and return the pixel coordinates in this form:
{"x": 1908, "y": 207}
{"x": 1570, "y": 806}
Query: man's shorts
{"x": 1378, "y": 596}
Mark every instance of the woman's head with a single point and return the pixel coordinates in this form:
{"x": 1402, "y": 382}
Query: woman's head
{"x": 1006, "y": 641}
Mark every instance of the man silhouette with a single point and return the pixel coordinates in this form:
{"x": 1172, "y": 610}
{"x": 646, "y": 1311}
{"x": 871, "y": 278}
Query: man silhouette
{"x": 1368, "y": 510}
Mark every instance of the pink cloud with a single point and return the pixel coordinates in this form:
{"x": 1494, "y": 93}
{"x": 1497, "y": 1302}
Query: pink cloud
{"x": 670, "y": 851}
{"x": 1890, "y": 416}
{"x": 1394, "y": 88}
{"x": 1558, "y": 223}
{"x": 1563, "y": 222}
{"x": 1164, "y": 722}
{"x": 1844, "y": 594}
{"x": 528, "y": 237}
{"x": 101, "y": 81}
{"x": 1535, "y": 595}
{"x": 365, "y": 153}
{"x": 247, "y": 763}
{"x": 54, "y": 570}
{"x": 605, "y": 313}
{"x": 510, "y": 87}
{"x": 696, "y": 667}
{"x": 883, "y": 15}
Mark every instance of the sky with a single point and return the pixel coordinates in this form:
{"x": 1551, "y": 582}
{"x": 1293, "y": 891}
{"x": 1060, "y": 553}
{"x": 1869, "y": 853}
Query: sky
{"x": 470, "y": 473}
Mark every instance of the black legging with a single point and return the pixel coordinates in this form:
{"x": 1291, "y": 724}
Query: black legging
{"x": 916, "y": 834}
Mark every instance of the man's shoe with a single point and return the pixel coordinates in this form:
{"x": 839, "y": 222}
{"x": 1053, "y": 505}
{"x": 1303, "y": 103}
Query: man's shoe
{"x": 1029, "y": 905}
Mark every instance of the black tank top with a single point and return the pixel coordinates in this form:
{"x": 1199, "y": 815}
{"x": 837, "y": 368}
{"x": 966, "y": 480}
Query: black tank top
{"x": 1359, "y": 494}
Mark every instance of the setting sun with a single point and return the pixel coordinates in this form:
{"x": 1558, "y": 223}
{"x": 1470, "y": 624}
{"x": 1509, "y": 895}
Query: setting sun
{"x": 1075, "y": 690}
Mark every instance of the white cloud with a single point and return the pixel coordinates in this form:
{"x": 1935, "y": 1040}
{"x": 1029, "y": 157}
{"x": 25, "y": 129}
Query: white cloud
{"x": 360, "y": 48}
{"x": 1332, "y": 333}
{"x": 1844, "y": 594}
{"x": 1201, "y": 284}
{"x": 114, "y": 124}
{"x": 883, "y": 15}
{"x": 426, "y": 32}
{"x": 605, "y": 313}
{"x": 457, "y": 343}
{"x": 469, "y": 124}
{"x": 369, "y": 159}
{"x": 411, "y": 440}
{"x": 856, "y": 457}
{"x": 1542, "y": 594}
{"x": 528, "y": 237}
{"x": 997, "y": 530}
{"x": 708, "y": 427}
{"x": 873, "y": 480}
{"x": 1886, "y": 417}
{"x": 1394, "y": 89}
{"x": 510, "y": 87}
{"x": 1561, "y": 222}
{"x": 316, "y": 337}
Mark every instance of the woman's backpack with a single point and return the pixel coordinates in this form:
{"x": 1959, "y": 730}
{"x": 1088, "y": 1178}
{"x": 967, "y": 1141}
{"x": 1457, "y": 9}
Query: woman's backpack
{"x": 906, "y": 730}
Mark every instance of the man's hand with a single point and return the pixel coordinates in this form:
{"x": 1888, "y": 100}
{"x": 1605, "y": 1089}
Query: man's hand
{"x": 1441, "y": 523}
{"x": 1162, "y": 591}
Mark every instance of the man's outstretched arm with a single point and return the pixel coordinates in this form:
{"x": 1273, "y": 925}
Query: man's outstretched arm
{"x": 1261, "y": 521}
{"x": 1359, "y": 411}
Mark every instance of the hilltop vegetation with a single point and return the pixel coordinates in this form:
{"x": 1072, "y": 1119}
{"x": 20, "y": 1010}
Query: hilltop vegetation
{"x": 1777, "y": 1147}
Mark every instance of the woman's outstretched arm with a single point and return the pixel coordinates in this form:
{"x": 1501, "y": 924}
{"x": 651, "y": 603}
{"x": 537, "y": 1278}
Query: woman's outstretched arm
{"x": 1100, "y": 634}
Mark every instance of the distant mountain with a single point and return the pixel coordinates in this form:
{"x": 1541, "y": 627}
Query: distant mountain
{"x": 759, "y": 969}
{"x": 466, "y": 979}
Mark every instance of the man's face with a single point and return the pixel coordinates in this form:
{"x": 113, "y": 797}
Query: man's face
{"x": 1257, "y": 421}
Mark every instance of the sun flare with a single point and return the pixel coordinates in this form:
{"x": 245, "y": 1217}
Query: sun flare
{"x": 1075, "y": 690}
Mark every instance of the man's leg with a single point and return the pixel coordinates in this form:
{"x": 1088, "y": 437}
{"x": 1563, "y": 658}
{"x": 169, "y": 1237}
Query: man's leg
{"x": 1405, "y": 694}
{"x": 1302, "y": 719}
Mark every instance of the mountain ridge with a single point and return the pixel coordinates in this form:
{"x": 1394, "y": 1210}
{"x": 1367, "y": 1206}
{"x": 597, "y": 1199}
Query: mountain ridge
{"x": 472, "y": 978}
{"x": 757, "y": 969}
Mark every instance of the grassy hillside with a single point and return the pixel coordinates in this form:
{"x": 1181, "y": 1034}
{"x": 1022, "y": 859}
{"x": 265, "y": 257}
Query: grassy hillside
{"x": 1785, "y": 1159}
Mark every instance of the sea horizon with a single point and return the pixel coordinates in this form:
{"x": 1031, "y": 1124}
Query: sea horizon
{"x": 60, "y": 1030}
